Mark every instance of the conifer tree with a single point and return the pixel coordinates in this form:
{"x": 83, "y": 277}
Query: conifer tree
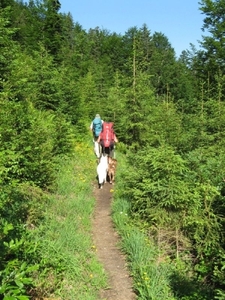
{"x": 213, "y": 55}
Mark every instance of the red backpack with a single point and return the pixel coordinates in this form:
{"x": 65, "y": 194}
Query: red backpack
{"x": 107, "y": 135}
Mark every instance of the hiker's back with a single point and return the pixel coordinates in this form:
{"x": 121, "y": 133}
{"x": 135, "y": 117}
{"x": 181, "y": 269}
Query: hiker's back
{"x": 97, "y": 126}
{"x": 107, "y": 136}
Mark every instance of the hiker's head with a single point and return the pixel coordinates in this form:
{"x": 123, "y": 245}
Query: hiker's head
{"x": 97, "y": 116}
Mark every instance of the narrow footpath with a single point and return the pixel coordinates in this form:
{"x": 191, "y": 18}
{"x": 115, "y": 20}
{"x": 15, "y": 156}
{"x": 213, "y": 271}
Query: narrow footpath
{"x": 106, "y": 240}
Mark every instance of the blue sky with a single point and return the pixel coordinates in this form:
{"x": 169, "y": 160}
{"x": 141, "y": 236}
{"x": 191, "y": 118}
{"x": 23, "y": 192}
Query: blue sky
{"x": 179, "y": 20}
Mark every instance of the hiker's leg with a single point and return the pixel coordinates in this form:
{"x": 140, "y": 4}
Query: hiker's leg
{"x": 96, "y": 149}
{"x": 103, "y": 149}
{"x": 100, "y": 150}
{"x": 111, "y": 152}
{"x": 106, "y": 150}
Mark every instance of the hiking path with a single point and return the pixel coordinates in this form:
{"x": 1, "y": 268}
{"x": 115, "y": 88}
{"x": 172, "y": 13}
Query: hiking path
{"x": 110, "y": 256}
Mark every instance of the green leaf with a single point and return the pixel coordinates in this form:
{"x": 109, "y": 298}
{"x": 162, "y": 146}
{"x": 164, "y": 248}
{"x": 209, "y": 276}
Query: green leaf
{"x": 19, "y": 284}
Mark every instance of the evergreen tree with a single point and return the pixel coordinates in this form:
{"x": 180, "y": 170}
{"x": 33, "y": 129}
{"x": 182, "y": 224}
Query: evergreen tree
{"x": 213, "y": 56}
{"x": 52, "y": 26}
{"x": 5, "y": 3}
{"x": 8, "y": 48}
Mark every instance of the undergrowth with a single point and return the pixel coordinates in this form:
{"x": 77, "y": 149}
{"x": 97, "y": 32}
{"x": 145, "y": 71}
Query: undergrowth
{"x": 155, "y": 275}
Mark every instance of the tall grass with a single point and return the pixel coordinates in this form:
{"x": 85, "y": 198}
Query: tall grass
{"x": 67, "y": 252}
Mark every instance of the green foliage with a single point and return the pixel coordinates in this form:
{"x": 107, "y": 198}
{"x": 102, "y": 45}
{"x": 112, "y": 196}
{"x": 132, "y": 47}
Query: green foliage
{"x": 67, "y": 263}
{"x": 16, "y": 267}
{"x": 8, "y": 48}
{"x": 213, "y": 43}
{"x": 169, "y": 116}
{"x": 15, "y": 280}
{"x": 151, "y": 277}
{"x": 160, "y": 181}
{"x": 27, "y": 157}
{"x": 52, "y": 26}
{"x": 175, "y": 205}
{"x": 139, "y": 102}
{"x": 155, "y": 270}
{"x": 163, "y": 65}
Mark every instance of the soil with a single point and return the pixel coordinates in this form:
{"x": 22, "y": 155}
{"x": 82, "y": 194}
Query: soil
{"x": 110, "y": 256}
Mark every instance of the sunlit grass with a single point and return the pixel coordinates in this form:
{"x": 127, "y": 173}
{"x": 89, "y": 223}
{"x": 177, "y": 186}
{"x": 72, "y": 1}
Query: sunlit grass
{"x": 150, "y": 278}
{"x": 65, "y": 235}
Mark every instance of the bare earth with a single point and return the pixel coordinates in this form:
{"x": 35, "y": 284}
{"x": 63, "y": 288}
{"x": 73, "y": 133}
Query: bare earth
{"x": 106, "y": 240}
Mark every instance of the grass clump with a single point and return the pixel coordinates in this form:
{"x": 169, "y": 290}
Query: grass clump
{"x": 151, "y": 277}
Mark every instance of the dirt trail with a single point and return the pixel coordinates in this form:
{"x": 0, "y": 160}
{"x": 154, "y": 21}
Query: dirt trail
{"x": 106, "y": 240}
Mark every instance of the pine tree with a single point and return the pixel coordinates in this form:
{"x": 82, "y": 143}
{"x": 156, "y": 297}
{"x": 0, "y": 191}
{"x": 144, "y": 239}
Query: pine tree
{"x": 213, "y": 55}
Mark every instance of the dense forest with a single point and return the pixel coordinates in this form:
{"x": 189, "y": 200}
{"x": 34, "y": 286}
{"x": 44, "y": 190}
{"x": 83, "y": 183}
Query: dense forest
{"x": 169, "y": 116}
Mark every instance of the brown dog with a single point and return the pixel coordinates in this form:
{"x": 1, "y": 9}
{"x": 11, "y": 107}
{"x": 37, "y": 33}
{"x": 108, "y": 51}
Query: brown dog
{"x": 112, "y": 162}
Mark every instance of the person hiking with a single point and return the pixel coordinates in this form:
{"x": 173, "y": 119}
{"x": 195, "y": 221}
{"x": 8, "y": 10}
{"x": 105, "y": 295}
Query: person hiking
{"x": 107, "y": 138}
{"x": 96, "y": 128}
